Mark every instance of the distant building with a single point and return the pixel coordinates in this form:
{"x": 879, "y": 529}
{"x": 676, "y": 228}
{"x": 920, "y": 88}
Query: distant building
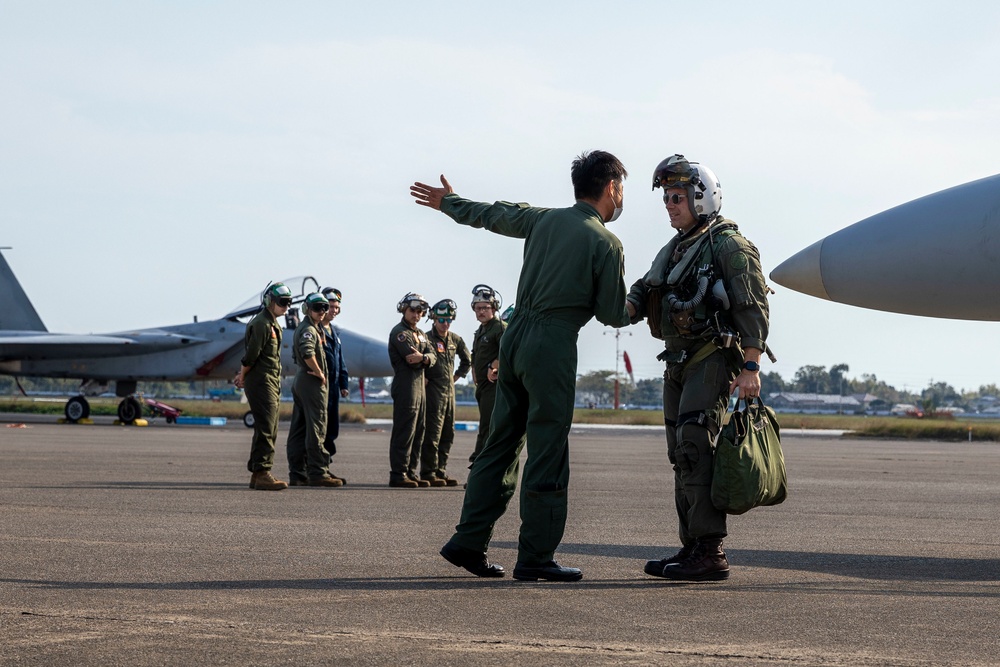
{"x": 787, "y": 401}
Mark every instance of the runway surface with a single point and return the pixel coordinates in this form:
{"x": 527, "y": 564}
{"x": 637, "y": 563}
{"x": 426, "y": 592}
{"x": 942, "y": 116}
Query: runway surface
{"x": 144, "y": 546}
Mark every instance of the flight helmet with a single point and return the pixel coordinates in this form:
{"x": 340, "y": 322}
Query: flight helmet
{"x": 332, "y": 294}
{"x": 704, "y": 193}
{"x": 277, "y": 293}
{"x": 412, "y": 300}
{"x": 445, "y": 309}
{"x": 315, "y": 301}
{"x": 486, "y": 294}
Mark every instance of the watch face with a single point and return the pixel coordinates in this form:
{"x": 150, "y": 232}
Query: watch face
{"x": 751, "y": 366}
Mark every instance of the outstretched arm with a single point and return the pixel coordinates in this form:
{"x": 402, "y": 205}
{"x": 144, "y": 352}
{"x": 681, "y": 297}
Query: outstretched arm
{"x": 427, "y": 195}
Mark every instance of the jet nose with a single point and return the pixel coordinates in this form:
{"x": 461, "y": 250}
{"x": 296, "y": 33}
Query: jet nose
{"x": 803, "y": 272}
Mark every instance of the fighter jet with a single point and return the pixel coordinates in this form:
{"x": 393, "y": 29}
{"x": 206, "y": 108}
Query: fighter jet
{"x": 183, "y": 352}
{"x": 937, "y": 256}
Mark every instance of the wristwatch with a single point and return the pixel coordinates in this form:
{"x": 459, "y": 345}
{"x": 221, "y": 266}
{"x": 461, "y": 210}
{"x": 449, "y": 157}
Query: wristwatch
{"x": 751, "y": 366}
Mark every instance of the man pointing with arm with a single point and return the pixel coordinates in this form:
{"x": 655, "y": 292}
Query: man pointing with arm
{"x": 573, "y": 270}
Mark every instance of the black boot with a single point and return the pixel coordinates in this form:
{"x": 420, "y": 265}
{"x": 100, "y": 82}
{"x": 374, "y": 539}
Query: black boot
{"x": 655, "y": 567}
{"x": 707, "y": 562}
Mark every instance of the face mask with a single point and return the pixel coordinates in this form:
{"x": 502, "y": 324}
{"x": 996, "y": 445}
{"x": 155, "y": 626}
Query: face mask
{"x": 618, "y": 210}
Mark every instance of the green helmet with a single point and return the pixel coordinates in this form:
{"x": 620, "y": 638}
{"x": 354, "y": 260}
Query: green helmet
{"x": 315, "y": 301}
{"x": 445, "y": 309}
{"x": 277, "y": 293}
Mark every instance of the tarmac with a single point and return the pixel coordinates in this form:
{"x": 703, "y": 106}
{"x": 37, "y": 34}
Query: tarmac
{"x": 144, "y": 546}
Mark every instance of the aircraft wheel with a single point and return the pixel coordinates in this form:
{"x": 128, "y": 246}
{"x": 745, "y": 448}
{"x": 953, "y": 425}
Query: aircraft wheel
{"x": 248, "y": 419}
{"x": 129, "y": 410}
{"x": 171, "y": 420}
{"x": 77, "y": 408}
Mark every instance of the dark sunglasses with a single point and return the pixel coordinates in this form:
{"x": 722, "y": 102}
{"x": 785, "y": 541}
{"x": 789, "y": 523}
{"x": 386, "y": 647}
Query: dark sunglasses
{"x": 674, "y": 198}
{"x": 285, "y": 301}
{"x": 320, "y": 307}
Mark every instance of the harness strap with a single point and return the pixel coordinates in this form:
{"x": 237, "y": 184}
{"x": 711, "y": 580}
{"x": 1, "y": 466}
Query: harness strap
{"x": 700, "y": 418}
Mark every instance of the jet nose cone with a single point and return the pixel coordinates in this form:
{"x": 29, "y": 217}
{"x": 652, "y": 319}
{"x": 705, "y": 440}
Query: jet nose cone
{"x": 803, "y": 272}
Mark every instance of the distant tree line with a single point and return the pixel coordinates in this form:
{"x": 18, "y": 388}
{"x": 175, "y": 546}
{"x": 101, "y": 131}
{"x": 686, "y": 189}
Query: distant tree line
{"x": 595, "y": 387}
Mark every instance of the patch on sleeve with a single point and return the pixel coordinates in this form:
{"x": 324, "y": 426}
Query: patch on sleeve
{"x": 307, "y": 335}
{"x": 401, "y": 337}
{"x": 738, "y": 261}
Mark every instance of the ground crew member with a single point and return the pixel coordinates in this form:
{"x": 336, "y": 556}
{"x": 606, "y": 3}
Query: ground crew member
{"x": 410, "y": 353}
{"x": 307, "y": 460}
{"x": 338, "y": 377}
{"x": 705, "y": 297}
{"x": 441, "y": 377}
{"x": 573, "y": 270}
{"x": 485, "y": 357}
{"x": 260, "y": 378}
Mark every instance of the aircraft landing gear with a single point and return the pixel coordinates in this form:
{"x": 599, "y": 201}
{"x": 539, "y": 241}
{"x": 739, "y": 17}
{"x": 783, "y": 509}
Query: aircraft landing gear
{"x": 77, "y": 408}
{"x": 129, "y": 410}
{"x": 248, "y": 419}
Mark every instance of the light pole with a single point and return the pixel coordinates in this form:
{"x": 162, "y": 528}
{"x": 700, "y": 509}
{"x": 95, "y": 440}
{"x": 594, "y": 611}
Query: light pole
{"x": 618, "y": 334}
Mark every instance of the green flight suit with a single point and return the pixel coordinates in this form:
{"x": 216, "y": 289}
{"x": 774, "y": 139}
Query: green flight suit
{"x": 485, "y": 349}
{"x": 306, "y": 456}
{"x": 439, "y": 433}
{"x": 573, "y": 270}
{"x": 409, "y": 403}
{"x": 262, "y": 386}
{"x": 698, "y": 374}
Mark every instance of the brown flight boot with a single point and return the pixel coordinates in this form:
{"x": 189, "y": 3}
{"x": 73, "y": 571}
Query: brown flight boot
{"x": 325, "y": 480}
{"x": 655, "y": 567}
{"x": 403, "y": 483}
{"x": 707, "y": 562}
{"x": 433, "y": 481}
{"x": 263, "y": 480}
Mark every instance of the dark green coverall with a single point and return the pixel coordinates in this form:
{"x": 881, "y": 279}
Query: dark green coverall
{"x": 485, "y": 348}
{"x": 698, "y": 374}
{"x": 573, "y": 270}
{"x": 439, "y": 433}
{"x": 306, "y": 456}
{"x": 262, "y": 386}
{"x": 409, "y": 404}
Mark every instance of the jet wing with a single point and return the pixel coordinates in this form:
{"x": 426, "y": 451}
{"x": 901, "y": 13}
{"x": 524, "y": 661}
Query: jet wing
{"x": 32, "y": 346}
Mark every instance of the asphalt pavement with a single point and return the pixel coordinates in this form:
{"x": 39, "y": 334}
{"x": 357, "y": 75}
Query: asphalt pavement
{"x": 144, "y": 546}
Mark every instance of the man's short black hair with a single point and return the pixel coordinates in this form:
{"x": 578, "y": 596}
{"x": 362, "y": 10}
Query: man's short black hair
{"x": 592, "y": 171}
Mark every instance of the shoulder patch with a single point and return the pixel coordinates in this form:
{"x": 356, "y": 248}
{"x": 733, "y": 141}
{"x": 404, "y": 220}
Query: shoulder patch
{"x": 401, "y": 337}
{"x": 307, "y": 335}
{"x": 738, "y": 261}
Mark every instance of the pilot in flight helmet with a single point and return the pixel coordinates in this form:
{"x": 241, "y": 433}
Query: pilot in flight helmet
{"x": 445, "y": 309}
{"x": 704, "y": 194}
{"x": 277, "y": 293}
{"x": 486, "y": 294}
{"x": 412, "y": 300}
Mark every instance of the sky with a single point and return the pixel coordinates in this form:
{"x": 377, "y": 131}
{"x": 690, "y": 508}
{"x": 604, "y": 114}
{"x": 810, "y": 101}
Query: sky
{"x": 160, "y": 161}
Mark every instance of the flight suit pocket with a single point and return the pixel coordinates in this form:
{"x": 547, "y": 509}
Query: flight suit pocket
{"x": 741, "y": 293}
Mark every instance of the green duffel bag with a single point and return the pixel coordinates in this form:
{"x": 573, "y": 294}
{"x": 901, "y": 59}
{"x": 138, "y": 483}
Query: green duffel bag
{"x": 749, "y": 468}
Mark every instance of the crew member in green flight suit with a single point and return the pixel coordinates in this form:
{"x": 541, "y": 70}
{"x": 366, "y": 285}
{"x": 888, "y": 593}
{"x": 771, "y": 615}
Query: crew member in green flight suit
{"x": 485, "y": 357}
{"x": 706, "y": 298}
{"x": 439, "y": 434}
{"x": 260, "y": 378}
{"x": 573, "y": 270}
{"x": 410, "y": 353}
{"x": 308, "y": 461}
